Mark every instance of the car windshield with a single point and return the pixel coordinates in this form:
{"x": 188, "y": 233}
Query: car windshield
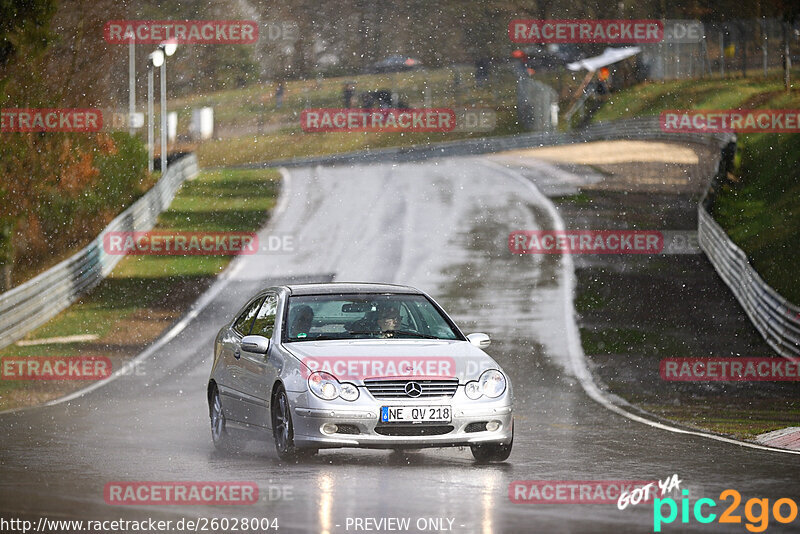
{"x": 365, "y": 316}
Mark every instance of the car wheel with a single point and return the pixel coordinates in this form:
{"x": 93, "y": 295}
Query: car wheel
{"x": 222, "y": 439}
{"x": 283, "y": 429}
{"x": 493, "y": 452}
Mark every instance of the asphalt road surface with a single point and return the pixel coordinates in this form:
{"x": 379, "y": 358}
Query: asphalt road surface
{"x": 441, "y": 225}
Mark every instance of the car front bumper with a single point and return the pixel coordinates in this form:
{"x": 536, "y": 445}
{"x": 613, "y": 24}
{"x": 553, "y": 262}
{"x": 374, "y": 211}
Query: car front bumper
{"x": 360, "y": 426}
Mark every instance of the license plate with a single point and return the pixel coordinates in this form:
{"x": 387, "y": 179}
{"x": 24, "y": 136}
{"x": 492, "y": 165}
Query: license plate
{"x": 415, "y": 414}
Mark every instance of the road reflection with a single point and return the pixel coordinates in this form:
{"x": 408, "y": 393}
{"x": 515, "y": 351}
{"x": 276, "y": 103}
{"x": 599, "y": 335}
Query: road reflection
{"x": 325, "y": 487}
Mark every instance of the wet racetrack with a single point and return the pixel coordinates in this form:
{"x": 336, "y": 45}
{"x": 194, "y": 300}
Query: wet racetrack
{"x": 441, "y": 225}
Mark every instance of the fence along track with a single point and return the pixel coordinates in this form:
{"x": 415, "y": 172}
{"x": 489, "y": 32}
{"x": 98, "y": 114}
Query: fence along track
{"x": 38, "y": 300}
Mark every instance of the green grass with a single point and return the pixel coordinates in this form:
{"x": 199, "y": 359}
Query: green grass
{"x": 226, "y": 200}
{"x": 251, "y": 105}
{"x": 650, "y": 98}
{"x": 218, "y": 201}
{"x": 741, "y": 425}
{"x": 250, "y": 129}
{"x": 579, "y": 199}
{"x": 589, "y": 299}
{"x": 761, "y": 212}
{"x": 623, "y": 340}
{"x": 294, "y": 143}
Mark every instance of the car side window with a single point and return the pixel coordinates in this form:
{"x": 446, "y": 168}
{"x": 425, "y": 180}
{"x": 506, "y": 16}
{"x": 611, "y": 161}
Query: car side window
{"x": 264, "y": 324}
{"x": 245, "y": 320}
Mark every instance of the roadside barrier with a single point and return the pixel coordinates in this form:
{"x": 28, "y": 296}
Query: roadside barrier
{"x": 775, "y": 318}
{"x": 38, "y": 300}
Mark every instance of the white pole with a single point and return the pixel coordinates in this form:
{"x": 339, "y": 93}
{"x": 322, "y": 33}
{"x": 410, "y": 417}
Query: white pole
{"x": 164, "y": 117}
{"x": 131, "y": 85}
{"x": 787, "y": 58}
{"x": 150, "y": 118}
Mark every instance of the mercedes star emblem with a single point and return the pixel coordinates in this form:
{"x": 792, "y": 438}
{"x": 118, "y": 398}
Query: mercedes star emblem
{"x": 413, "y": 389}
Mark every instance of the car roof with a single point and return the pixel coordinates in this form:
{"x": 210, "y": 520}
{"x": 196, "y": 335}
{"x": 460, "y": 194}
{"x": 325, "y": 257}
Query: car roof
{"x": 349, "y": 287}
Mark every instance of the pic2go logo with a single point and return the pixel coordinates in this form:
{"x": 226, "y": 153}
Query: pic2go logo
{"x": 758, "y": 521}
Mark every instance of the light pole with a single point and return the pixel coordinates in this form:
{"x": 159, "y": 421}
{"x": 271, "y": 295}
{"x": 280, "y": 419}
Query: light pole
{"x": 168, "y": 48}
{"x": 156, "y": 59}
{"x": 131, "y": 81}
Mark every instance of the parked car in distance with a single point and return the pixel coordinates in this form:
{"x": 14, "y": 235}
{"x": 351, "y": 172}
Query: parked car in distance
{"x": 395, "y": 63}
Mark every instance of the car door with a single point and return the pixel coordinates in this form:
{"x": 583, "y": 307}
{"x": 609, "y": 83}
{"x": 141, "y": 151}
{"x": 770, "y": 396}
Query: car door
{"x": 259, "y": 371}
{"x": 234, "y": 392}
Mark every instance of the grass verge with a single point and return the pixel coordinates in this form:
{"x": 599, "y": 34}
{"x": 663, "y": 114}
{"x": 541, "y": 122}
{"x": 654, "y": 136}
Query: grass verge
{"x": 250, "y": 128}
{"x": 145, "y": 294}
{"x": 760, "y": 210}
{"x": 292, "y": 142}
{"x": 634, "y": 311}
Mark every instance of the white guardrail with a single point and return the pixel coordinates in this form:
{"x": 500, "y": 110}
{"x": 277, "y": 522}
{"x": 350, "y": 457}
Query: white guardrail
{"x": 775, "y": 318}
{"x": 38, "y": 300}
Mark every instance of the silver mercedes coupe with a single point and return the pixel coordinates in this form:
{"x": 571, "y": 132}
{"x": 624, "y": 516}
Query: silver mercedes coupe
{"x": 356, "y": 365}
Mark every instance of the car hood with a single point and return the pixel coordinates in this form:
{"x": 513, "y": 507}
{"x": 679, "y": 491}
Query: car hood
{"x": 359, "y": 359}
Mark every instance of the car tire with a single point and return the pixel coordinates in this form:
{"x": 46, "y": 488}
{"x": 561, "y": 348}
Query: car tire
{"x": 222, "y": 438}
{"x": 283, "y": 429}
{"x": 492, "y": 452}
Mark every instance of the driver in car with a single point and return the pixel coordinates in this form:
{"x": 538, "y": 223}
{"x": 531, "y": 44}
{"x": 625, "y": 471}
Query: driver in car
{"x": 388, "y": 320}
{"x": 380, "y": 323}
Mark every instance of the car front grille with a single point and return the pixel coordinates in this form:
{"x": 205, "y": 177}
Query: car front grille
{"x": 396, "y": 389}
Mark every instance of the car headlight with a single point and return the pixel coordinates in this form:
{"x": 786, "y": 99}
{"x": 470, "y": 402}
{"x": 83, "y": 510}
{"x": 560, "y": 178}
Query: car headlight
{"x": 323, "y": 385}
{"x": 348, "y": 391}
{"x": 473, "y": 390}
{"x": 327, "y": 387}
{"x": 493, "y": 383}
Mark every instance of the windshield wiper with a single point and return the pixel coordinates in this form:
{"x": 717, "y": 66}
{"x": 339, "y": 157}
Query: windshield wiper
{"x": 409, "y": 333}
{"x": 346, "y": 337}
{"x": 317, "y": 338}
{"x": 371, "y": 334}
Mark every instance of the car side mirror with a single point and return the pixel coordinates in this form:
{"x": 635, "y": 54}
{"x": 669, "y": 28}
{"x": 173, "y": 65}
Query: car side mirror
{"x": 479, "y": 340}
{"x": 256, "y": 344}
